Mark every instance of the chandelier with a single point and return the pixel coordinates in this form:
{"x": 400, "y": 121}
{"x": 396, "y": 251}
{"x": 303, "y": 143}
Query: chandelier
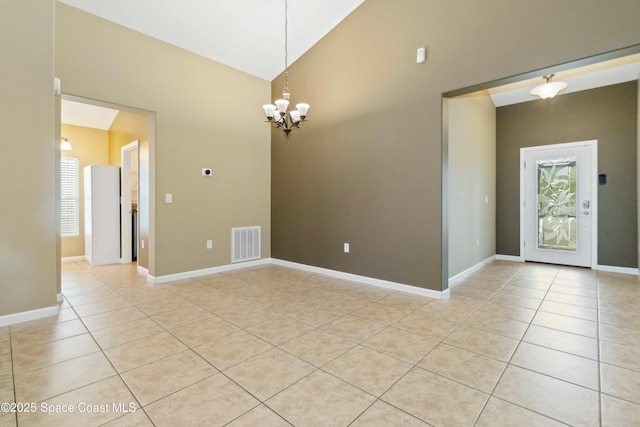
{"x": 279, "y": 114}
{"x": 549, "y": 89}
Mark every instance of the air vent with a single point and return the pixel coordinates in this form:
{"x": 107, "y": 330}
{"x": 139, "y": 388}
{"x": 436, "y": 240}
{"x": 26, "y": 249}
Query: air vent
{"x": 245, "y": 244}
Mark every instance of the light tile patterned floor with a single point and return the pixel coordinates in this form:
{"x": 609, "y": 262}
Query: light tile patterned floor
{"x": 516, "y": 344}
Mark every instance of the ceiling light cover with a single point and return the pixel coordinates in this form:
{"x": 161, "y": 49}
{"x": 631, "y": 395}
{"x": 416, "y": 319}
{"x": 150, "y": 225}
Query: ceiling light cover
{"x": 65, "y": 145}
{"x": 549, "y": 89}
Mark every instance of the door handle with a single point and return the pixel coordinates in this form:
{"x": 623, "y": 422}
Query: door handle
{"x": 585, "y": 213}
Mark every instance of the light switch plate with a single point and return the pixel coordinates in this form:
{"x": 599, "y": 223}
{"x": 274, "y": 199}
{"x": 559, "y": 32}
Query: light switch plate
{"x": 421, "y": 55}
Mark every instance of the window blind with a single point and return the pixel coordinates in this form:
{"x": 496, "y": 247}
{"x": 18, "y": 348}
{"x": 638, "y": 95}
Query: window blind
{"x": 69, "y": 197}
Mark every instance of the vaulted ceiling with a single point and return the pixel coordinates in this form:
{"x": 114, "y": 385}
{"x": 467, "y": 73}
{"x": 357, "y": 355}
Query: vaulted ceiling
{"x": 249, "y": 35}
{"x": 244, "y": 34}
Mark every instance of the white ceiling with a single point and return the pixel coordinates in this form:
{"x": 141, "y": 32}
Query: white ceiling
{"x": 244, "y": 34}
{"x": 89, "y": 116}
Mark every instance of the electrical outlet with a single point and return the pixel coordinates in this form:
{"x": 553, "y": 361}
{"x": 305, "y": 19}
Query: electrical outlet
{"x": 209, "y": 244}
{"x": 346, "y": 248}
{"x": 168, "y": 198}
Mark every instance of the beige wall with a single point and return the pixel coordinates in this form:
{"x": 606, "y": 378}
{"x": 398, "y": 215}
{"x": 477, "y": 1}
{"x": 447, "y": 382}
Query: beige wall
{"x": 90, "y": 147}
{"x": 126, "y": 128}
{"x": 367, "y": 168}
{"x": 207, "y": 115}
{"x": 472, "y": 181}
{"x": 28, "y": 244}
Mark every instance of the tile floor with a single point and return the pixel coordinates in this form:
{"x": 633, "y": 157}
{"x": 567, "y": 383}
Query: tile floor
{"x": 515, "y": 345}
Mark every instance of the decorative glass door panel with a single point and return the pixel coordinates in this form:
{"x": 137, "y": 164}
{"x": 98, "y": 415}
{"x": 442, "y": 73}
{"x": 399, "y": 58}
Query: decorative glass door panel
{"x": 557, "y": 204}
{"x": 557, "y": 189}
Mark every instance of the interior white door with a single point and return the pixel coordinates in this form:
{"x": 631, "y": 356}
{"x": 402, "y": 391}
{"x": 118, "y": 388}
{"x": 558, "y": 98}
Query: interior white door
{"x": 559, "y": 203}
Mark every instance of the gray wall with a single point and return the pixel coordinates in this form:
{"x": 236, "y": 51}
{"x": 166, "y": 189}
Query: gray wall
{"x": 472, "y": 181}
{"x": 367, "y": 168}
{"x": 608, "y": 114}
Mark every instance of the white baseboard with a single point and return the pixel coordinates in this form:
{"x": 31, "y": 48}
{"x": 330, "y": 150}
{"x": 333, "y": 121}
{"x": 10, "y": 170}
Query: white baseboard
{"x": 363, "y": 279}
{"x": 509, "y": 258}
{"x": 25, "y": 316}
{"x": 614, "y": 269}
{"x": 607, "y": 268}
{"x": 206, "y": 271}
{"x": 73, "y": 258}
{"x": 143, "y": 271}
{"x": 333, "y": 273}
{"x": 60, "y": 298}
{"x": 453, "y": 281}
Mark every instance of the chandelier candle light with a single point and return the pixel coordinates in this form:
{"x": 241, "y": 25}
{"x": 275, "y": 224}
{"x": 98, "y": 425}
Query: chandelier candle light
{"x": 277, "y": 114}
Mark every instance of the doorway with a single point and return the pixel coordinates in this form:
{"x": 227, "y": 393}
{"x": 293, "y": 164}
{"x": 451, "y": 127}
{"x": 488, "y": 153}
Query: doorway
{"x": 558, "y": 211}
{"x": 129, "y": 202}
{"x": 130, "y": 124}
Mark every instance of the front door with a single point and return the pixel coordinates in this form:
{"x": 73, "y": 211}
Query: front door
{"x": 559, "y": 203}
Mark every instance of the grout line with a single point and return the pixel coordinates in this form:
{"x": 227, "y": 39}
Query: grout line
{"x": 514, "y": 351}
{"x": 109, "y": 360}
{"x": 598, "y": 345}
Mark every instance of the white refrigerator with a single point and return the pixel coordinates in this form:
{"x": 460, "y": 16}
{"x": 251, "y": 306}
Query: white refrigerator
{"x": 102, "y": 214}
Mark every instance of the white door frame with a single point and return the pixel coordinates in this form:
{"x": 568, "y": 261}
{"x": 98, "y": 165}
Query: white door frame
{"x": 593, "y": 145}
{"x": 125, "y": 202}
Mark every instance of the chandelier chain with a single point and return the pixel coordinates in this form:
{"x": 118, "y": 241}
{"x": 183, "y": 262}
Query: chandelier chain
{"x": 286, "y": 36}
{"x": 286, "y": 47}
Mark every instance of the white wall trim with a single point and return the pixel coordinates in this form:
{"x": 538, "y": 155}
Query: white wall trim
{"x": 614, "y": 269}
{"x": 512, "y": 258}
{"x": 453, "y": 281}
{"x": 363, "y": 279}
{"x": 206, "y": 271}
{"x": 60, "y": 298}
{"x": 143, "y": 271}
{"x": 125, "y": 202}
{"x": 26, "y": 316}
{"x": 73, "y": 258}
{"x": 332, "y": 273}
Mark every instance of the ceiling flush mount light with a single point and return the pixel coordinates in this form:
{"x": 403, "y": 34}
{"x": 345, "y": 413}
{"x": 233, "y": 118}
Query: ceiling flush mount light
{"x": 549, "y": 89}
{"x": 65, "y": 145}
{"x": 279, "y": 114}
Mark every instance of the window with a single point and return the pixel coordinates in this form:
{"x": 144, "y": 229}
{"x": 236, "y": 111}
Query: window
{"x": 69, "y": 197}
